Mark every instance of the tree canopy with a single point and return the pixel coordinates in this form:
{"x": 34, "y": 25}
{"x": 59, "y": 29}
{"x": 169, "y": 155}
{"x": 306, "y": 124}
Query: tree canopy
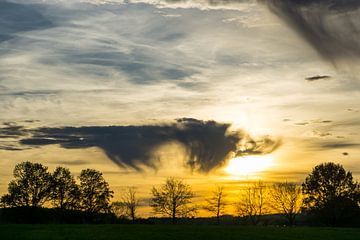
{"x": 331, "y": 192}
{"x": 95, "y": 191}
{"x": 31, "y": 186}
{"x": 65, "y": 192}
{"x": 172, "y": 199}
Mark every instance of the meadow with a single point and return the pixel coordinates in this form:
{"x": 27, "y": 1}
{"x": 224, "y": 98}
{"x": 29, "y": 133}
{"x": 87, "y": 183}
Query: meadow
{"x": 160, "y": 232}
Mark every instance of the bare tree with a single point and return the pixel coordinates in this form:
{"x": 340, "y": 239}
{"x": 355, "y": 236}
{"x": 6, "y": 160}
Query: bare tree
{"x": 118, "y": 209}
{"x": 253, "y": 202}
{"x": 287, "y": 199}
{"x": 130, "y": 202}
{"x": 126, "y": 208}
{"x": 172, "y": 199}
{"x": 216, "y": 203}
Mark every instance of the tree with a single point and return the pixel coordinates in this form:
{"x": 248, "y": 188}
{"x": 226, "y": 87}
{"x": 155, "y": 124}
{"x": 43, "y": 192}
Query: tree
{"x": 118, "y": 208}
{"x": 331, "y": 192}
{"x": 216, "y": 203}
{"x": 286, "y": 199}
{"x": 172, "y": 199}
{"x": 252, "y": 202}
{"x": 65, "y": 192}
{"x": 128, "y": 205}
{"x": 95, "y": 193}
{"x": 31, "y": 186}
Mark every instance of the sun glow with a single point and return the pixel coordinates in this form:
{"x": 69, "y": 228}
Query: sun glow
{"x": 248, "y": 165}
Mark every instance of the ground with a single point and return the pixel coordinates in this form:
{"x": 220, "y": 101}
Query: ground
{"x": 182, "y": 232}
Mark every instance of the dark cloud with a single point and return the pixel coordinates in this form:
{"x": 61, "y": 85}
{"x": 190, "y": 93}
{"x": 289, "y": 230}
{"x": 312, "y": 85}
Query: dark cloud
{"x": 331, "y": 26}
{"x": 208, "y": 144}
{"x": 16, "y": 18}
{"x": 12, "y": 130}
{"x": 326, "y": 121}
{"x": 317, "y": 77}
{"x": 31, "y": 93}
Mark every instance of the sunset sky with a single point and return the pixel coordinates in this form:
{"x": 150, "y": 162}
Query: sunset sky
{"x": 213, "y": 92}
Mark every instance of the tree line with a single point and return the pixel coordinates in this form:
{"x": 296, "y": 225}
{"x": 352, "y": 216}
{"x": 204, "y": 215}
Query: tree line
{"x": 34, "y": 186}
{"x": 329, "y": 194}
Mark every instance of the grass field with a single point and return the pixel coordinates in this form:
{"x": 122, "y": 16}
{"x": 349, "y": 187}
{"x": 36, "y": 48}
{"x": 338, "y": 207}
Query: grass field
{"x": 183, "y": 232}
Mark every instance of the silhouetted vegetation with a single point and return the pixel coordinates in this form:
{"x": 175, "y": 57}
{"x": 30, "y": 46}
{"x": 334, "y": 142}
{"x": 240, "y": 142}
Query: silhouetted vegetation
{"x": 35, "y": 188}
{"x": 127, "y": 207}
{"x": 286, "y": 198}
{"x": 252, "y": 204}
{"x": 30, "y": 188}
{"x": 95, "y": 193}
{"x": 332, "y": 195}
{"x": 65, "y": 193}
{"x": 329, "y": 196}
{"x": 216, "y": 203}
{"x": 172, "y": 199}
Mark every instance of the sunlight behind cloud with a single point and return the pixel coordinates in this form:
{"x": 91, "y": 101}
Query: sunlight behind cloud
{"x": 248, "y": 165}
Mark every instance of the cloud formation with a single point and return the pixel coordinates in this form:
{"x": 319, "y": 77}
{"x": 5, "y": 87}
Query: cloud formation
{"x": 15, "y": 18}
{"x": 331, "y": 26}
{"x": 208, "y": 144}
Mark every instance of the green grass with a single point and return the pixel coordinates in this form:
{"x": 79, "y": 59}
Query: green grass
{"x": 160, "y": 232}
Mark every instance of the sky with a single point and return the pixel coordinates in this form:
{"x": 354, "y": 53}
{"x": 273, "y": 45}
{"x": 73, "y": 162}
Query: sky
{"x": 212, "y": 92}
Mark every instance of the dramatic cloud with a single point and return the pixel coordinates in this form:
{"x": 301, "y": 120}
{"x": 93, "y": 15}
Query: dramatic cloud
{"x": 331, "y": 26}
{"x": 208, "y": 144}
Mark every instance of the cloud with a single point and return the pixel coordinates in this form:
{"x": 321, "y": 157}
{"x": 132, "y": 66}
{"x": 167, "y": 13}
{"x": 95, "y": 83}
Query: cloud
{"x": 12, "y": 130}
{"x": 321, "y": 134}
{"x": 332, "y": 27}
{"x": 208, "y": 144}
{"x": 73, "y": 162}
{"x": 330, "y": 145}
{"x": 15, "y": 18}
{"x": 317, "y": 77}
{"x": 202, "y": 4}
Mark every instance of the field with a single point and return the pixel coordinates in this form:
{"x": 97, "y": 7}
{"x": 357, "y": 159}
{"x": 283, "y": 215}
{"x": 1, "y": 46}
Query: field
{"x": 183, "y": 232}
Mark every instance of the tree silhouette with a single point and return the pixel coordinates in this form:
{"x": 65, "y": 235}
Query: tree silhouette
{"x": 286, "y": 199}
{"x": 172, "y": 199}
{"x": 65, "y": 193}
{"x": 253, "y": 202}
{"x": 95, "y": 193}
{"x": 216, "y": 203}
{"x": 126, "y": 208}
{"x": 331, "y": 192}
{"x": 31, "y": 186}
{"x": 130, "y": 202}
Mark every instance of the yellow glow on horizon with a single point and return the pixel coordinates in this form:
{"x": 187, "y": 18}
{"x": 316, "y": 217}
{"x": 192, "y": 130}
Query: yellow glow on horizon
{"x": 248, "y": 165}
